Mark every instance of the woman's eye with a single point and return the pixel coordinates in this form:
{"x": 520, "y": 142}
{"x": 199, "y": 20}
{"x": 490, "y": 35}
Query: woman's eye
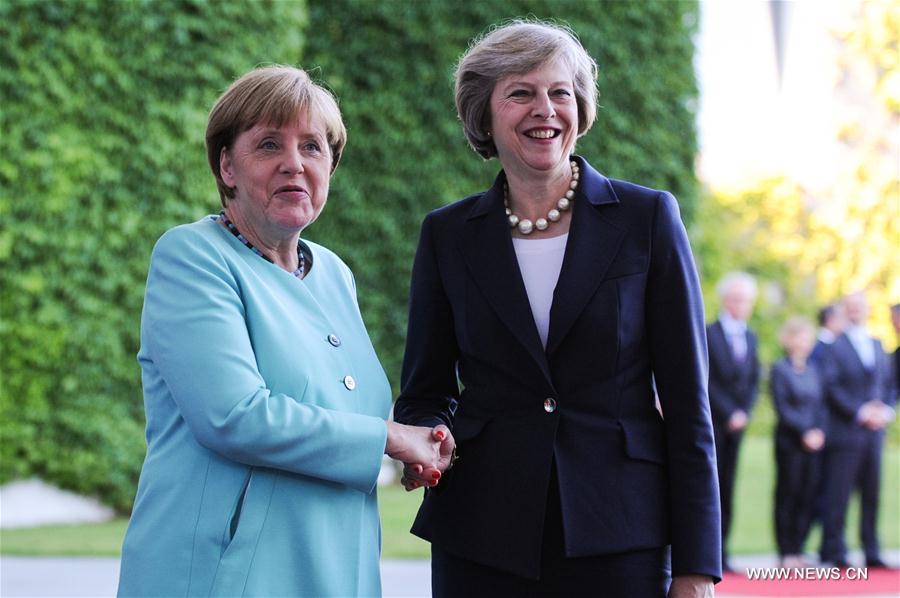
{"x": 312, "y": 146}
{"x": 562, "y": 92}
{"x": 268, "y": 145}
{"x": 518, "y": 93}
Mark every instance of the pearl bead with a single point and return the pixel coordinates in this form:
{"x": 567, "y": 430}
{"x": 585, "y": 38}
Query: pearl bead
{"x": 573, "y": 183}
{"x": 541, "y": 224}
{"x": 513, "y": 220}
{"x": 508, "y": 212}
{"x": 563, "y": 204}
{"x": 570, "y": 194}
{"x": 553, "y": 215}
{"x": 525, "y": 226}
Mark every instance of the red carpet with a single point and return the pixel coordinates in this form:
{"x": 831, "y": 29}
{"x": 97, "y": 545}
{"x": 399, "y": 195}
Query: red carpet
{"x": 811, "y": 582}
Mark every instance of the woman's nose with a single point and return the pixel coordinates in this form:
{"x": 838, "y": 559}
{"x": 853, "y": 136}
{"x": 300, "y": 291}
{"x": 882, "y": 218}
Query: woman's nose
{"x": 543, "y": 107}
{"x": 292, "y": 162}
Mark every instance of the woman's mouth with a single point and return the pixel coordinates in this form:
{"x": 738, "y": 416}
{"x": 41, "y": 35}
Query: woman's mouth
{"x": 542, "y": 133}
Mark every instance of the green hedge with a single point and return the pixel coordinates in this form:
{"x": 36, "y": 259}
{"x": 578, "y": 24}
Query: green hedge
{"x": 391, "y": 63}
{"x": 103, "y": 110}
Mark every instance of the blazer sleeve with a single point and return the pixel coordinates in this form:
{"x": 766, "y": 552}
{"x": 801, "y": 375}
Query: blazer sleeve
{"x": 194, "y": 331}
{"x": 756, "y": 373}
{"x": 678, "y": 350}
{"x": 428, "y": 384}
{"x": 842, "y": 401}
{"x": 720, "y": 396}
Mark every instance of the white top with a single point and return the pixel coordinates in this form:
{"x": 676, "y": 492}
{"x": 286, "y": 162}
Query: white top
{"x": 540, "y": 261}
{"x": 736, "y": 332}
{"x": 862, "y": 342}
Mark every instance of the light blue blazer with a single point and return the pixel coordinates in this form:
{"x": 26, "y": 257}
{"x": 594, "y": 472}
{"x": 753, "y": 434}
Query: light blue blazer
{"x": 262, "y": 456}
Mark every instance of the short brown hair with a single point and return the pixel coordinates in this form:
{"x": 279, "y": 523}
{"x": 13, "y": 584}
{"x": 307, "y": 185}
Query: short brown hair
{"x": 517, "y": 48}
{"x": 273, "y": 94}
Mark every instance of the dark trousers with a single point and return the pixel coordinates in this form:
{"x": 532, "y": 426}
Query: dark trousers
{"x": 638, "y": 574}
{"x": 727, "y": 447}
{"x": 847, "y": 468}
{"x": 797, "y": 482}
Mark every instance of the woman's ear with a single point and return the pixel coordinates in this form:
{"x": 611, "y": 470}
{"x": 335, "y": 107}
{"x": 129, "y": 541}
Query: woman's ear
{"x": 226, "y": 168}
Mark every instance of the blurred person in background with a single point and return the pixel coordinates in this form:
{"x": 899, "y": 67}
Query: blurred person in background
{"x": 540, "y": 311}
{"x": 895, "y": 321}
{"x": 733, "y": 380}
{"x": 831, "y": 324}
{"x": 266, "y": 405}
{"x": 799, "y": 436}
{"x": 859, "y": 399}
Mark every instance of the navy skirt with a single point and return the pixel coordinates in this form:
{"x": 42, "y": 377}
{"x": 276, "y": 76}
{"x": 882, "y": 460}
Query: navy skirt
{"x": 636, "y": 574}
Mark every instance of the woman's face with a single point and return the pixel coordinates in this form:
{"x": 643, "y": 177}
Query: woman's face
{"x": 534, "y": 119}
{"x": 800, "y": 344}
{"x": 280, "y": 174}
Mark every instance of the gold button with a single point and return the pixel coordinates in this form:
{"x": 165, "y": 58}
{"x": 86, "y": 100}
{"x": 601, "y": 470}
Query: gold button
{"x": 349, "y": 382}
{"x": 549, "y": 404}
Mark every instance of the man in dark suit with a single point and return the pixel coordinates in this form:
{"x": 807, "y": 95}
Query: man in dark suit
{"x": 733, "y": 380}
{"x": 831, "y": 325}
{"x": 859, "y": 397}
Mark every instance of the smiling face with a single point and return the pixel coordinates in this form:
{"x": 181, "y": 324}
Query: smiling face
{"x": 534, "y": 120}
{"x": 280, "y": 175}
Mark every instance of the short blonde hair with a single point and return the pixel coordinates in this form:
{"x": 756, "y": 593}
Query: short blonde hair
{"x": 275, "y": 95}
{"x": 517, "y": 48}
{"x": 793, "y": 328}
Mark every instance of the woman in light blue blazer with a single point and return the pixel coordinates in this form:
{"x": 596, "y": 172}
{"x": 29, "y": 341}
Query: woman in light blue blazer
{"x": 266, "y": 405}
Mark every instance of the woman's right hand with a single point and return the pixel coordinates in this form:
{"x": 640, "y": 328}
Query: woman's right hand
{"x": 415, "y": 446}
{"x": 415, "y": 476}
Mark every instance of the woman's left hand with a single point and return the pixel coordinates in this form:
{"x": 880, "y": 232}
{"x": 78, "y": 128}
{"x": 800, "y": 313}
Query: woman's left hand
{"x": 413, "y": 473}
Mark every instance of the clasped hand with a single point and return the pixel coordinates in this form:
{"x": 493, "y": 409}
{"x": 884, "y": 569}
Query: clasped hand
{"x": 426, "y": 453}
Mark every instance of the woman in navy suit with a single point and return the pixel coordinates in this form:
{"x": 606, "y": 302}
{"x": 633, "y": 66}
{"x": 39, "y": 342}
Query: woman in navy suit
{"x": 799, "y": 401}
{"x": 541, "y": 312}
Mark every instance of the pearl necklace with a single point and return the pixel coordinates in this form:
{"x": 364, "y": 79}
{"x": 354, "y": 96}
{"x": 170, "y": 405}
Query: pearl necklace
{"x": 526, "y": 226}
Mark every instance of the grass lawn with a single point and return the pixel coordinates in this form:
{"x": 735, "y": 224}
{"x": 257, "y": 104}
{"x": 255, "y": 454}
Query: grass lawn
{"x": 752, "y": 528}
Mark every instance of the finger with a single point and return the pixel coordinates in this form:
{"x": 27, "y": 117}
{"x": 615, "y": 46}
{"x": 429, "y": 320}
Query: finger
{"x": 440, "y": 432}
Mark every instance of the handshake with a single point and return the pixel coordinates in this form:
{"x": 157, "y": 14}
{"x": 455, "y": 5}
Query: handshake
{"x": 426, "y": 453}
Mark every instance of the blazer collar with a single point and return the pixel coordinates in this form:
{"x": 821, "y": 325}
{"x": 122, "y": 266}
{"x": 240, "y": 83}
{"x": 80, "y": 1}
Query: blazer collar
{"x": 594, "y": 241}
{"x": 593, "y": 244}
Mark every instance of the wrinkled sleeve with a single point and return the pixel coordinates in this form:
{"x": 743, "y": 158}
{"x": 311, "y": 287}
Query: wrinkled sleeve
{"x": 429, "y": 388}
{"x": 193, "y": 329}
{"x": 678, "y": 349}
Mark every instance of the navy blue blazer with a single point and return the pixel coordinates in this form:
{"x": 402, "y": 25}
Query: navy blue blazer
{"x": 627, "y": 307}
{"x": 849, "y": 384}
{"x": 732, "y": 384}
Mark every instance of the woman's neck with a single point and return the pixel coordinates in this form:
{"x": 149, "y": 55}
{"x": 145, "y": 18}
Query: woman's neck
{"x": 281, "y": 249}
{"x": 531, "y": 196}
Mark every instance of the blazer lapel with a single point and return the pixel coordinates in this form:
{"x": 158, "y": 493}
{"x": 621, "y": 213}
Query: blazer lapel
{"x": 592, "y": 245}
{"x": 719, "y": 343}
{"x": 488, "y": 251}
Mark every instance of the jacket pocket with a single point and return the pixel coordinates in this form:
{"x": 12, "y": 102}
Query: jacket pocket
{"x": 231, "y": 530}
{"x": 645, "y": 440}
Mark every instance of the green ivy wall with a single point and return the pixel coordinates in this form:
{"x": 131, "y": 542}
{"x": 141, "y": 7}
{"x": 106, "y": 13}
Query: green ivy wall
{"x": 102, "y": 111}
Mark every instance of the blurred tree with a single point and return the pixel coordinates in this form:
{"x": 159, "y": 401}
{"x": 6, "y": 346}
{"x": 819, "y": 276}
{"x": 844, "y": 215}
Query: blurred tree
{"x": 809, "y": 248}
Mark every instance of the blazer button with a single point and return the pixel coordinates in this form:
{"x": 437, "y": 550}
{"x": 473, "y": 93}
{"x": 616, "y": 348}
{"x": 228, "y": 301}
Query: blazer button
{"x": 549, "y": 404}
{"x": 349, "y": 382}
{"x": 334, "y": 340}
